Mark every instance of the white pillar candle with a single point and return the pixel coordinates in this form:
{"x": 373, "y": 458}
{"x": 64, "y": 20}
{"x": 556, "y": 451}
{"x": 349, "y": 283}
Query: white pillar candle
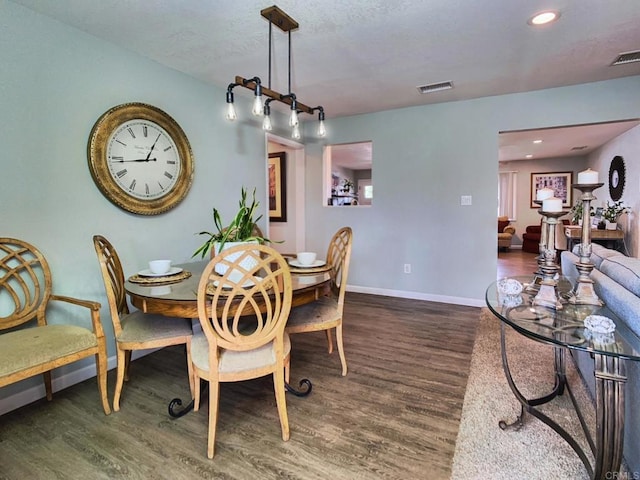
{"x": 588, "y": 177}
{"x": 552, "y": 204}
{"x": 544, "y": 193}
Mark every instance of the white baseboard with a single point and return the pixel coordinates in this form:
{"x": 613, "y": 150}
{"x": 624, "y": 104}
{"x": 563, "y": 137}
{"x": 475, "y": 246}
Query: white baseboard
{"x": 470, "y": 302}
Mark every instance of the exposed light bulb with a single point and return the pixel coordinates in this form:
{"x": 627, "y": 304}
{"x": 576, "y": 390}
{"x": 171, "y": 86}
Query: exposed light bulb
{"x": 322, "y": 131}
{"x": 293, "y": 119}
{"x": 296, "y": 132}
{"x": 266, "y": 123}
{"x": 231, "y": 112}
{"x": 257, "y": 105}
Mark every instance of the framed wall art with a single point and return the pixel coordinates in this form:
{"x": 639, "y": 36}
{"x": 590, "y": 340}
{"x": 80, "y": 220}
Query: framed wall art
{"x": 277, "y": 187}
{"x": 559, "y": 182}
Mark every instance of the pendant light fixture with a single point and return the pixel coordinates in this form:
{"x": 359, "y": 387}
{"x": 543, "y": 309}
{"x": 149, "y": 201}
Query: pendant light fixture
{"x": 285, "y": 23}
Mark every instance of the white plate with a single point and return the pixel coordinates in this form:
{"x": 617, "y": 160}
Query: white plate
{"x": 295, "y": 263}
{"x": 248, "y": 283}
{"x": 148, "y": 273}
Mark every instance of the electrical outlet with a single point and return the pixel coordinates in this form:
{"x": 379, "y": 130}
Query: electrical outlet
{"x": 465, "y": 200}
{"x": 407, "y": 268}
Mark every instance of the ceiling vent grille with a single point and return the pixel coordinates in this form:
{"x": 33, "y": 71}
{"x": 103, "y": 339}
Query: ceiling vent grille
{"x": 581, "y": 147}
{"x": 435, "y": 87}
{"x": 628, "y": 57}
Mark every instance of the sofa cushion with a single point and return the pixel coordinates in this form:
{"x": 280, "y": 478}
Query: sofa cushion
{"x": 624, "y": 270}
{"x": 598, "y": 253}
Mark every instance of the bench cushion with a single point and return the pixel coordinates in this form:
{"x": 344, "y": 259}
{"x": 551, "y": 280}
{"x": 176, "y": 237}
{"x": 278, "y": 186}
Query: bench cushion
{"x": 30, "y": 347}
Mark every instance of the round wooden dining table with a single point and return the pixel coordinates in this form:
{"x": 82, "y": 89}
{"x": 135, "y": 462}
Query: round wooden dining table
{"x": 176, "y": 296}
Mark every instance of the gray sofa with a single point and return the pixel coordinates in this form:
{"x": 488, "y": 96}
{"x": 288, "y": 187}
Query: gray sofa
{"x": 617, "y": 282}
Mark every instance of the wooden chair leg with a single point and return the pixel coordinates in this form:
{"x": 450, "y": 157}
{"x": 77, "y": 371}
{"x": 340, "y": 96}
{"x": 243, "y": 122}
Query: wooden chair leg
{"x": 101, "y": 370}
{"x": 122, "y": 355}
{"x": 343, "y": 360}
{"x": 190, "y": 367}
{"x": 196, "y": 391}
{"x": 214, "y": 395}
{"x": 281, "y": 401}
{"x": 126, "y": 365}
{"x": 47, "y": 384}
{"x": 329, "y": 341}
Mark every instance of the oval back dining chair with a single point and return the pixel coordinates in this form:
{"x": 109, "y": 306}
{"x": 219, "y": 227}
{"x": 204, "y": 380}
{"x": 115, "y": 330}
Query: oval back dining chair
{"x": 326, "y": 313}
{"x": 32, "y": 345}
{"x": 136, "y": 330}
{"x": 243, "y": 314}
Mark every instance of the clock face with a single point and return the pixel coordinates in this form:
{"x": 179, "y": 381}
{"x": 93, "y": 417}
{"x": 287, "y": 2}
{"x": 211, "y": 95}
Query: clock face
{"x": 143, "y": 159}
{"x": 140, "y": 159}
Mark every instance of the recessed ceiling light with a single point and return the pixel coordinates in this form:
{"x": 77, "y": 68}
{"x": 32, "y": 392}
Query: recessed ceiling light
{"x": 528, "y": 156}
{"x": 537, "y": 141}
{"x": 545, "y": 17}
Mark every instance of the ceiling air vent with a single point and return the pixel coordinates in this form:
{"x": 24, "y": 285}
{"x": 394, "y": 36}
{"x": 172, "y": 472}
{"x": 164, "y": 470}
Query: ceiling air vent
{"x": 581, "y": 147}
{"x": 435, "y": 87}
{"x": 628, "y": 57}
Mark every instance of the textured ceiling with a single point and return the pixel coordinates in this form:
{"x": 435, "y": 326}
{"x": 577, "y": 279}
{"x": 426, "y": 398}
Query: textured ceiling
{"x": 362, "y": 56}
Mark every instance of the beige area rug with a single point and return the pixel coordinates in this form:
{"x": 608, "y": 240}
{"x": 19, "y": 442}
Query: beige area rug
{"x": 483, "y": 450}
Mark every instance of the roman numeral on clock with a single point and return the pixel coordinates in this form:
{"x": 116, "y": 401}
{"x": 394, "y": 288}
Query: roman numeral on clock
{"x": 133, "y": 184}
{"x": 121, "y": 173}
{"x": 144, "y": 130}
{"x": 168, "y": 175}
{"x": 130, "y": 130}
{"x": 168, "y": 148}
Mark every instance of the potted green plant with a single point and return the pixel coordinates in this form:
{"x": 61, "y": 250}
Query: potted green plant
{"x": 576, "y": 212}
{"x": 347, "y": 185}
{"x": 612, "y": 212}
{"x": 242, "y": 228}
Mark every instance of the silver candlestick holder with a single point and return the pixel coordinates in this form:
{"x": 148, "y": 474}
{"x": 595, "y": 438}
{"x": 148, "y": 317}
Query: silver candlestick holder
{"x": 534, "y": 286}
{"x": 547, "y": 295}
{"x": 583, "y": 292}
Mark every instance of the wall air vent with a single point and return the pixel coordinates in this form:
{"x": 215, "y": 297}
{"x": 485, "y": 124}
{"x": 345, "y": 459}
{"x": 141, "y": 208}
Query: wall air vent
{"x": 435, "y": 87}
{"x": 581, "y": 147}
{"x": 628, "y": 57}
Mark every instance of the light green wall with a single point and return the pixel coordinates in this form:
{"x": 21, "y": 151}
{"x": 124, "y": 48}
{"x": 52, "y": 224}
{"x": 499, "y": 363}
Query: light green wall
{"x": 57, "y": 81}
{"x": 424, "y": 159}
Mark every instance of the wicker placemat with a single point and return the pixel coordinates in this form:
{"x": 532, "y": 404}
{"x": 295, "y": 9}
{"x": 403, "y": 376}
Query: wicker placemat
{"x": 164, "y": 280}
{"x": 302, "y": 270}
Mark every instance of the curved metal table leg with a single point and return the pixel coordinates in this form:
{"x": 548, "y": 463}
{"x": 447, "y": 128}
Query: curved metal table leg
{"x": 300, "y": 393}
{"x": 610, "y": 383}
{"x": 177, "y": 402}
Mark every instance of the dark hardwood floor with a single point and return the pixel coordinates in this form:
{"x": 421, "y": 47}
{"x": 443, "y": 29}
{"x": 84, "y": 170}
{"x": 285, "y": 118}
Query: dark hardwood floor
{"x": 515, "y": 262}
{"x": 394, "y": 416}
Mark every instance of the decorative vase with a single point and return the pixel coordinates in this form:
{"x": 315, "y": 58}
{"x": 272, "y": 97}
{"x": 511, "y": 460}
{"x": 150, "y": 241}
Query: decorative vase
{"x": 247, "y": 263}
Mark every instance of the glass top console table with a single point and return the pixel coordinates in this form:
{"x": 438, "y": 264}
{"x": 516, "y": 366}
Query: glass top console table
{"x": 564, "y": 329}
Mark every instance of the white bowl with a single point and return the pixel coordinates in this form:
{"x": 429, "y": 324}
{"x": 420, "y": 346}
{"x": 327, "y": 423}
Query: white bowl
{"x": 159, "y": 266}
{"x": 306, "y": 258}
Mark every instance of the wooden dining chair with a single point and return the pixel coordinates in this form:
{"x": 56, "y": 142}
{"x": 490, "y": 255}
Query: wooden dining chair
{"x": 31, "y": 345}
{"x": 136, "y": 330}
{"x": 243, "y": 313}
{"x": 326, "y": 313}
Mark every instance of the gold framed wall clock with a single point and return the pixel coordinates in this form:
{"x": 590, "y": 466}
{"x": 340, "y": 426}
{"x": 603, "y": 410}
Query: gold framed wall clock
{"x": 140, "y": 158}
